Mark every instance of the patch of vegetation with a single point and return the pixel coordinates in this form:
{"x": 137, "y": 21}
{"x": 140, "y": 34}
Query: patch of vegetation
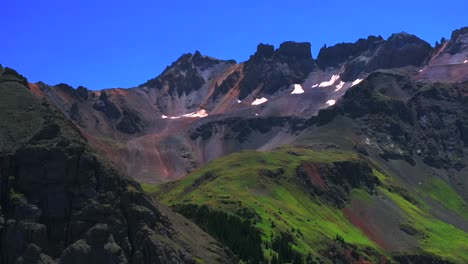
{"x": 285, "y": 253}
{"x": 11, "y": 75}
{"x": 16, "y": 196}
{"x": 436, "y": 237}
{"x": 402, "y": 192}
{"x": 19, "y": 115}
{"x": 439, "y": 191}
{"x": 239, "y": 235}
{"x": 131, "y": 188}
{"x": 149, "y": 187}
{"x": 362, "y": 195}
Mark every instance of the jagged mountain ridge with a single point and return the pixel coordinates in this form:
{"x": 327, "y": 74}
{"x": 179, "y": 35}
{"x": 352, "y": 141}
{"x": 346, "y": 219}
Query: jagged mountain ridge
{"x": 151, "y": 130}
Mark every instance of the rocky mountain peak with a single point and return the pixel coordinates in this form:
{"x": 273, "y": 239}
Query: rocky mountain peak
{"x": 459, "y": 32}
{"x": 203, "y": 61}
{"x": 193, "y": 60}
{"x": 269, "y": 70}
{"x": 185, "y": 69}
{"x": 335, "y": 55}
{"x": 458, "y": 41}
{"x": 9, "y": 74}
{"x": 264, "y": 51}
{"x": 294, "y": 50}
{"x": 181, "y": 76}
{"x": 398, "y": 40}
{"x": 287, "y": 50}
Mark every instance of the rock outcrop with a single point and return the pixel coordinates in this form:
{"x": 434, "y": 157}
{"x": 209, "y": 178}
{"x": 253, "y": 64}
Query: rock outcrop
{"x": 373, "y": 53}
{"x": 184, "y": 75}
{"x": 408, "y": 119}
{"x": 266, "y": 72}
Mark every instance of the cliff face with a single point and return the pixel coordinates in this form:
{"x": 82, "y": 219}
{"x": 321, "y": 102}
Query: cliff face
{"x": 63, "y": 203}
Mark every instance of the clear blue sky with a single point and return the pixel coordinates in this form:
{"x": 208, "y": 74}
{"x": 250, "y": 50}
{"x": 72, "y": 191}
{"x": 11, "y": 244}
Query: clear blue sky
{"x": 102, "y": 44}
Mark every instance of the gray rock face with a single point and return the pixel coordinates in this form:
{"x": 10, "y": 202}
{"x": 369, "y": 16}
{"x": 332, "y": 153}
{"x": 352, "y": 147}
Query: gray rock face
{"x": 295, "y": 50}
{"x": 98, "y": 247}
{"x": 335, "y": 55}
{"x": 269, "y": 71}
{"x": 183, "y": 76}
{"x": 458, "y": 40}
{"x": 263, "y": 51}
{"x": 63, "y": 199}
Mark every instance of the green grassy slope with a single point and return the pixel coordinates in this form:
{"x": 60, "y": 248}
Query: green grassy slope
{"x": 266, "y": 185}
{"x": 279, "y": 204}
{"x": 18, "y": 121}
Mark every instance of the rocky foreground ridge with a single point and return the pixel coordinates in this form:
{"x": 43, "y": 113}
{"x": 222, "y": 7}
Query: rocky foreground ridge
{"x": 63, "y": 203}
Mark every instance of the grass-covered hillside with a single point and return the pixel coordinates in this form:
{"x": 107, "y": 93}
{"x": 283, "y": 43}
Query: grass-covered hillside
{"x": 304, "y": 206}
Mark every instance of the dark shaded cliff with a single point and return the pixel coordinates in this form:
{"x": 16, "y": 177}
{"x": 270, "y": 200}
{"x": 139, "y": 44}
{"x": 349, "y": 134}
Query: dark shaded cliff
{"x": 63, "y": 203}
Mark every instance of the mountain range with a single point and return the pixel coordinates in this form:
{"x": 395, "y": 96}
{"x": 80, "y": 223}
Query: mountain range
{"x": 355, "y": 156}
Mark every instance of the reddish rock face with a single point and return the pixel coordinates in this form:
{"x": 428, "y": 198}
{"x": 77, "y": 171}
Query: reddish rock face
{"x": 312, "y": 171}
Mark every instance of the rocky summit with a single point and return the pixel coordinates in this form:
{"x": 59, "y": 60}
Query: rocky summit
{"x": 356, "y": 156}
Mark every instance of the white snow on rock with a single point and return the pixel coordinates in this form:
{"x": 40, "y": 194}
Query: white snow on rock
{"x": 259, "y": 101}
{"x": 339, "y": 86}
{"x": 356, "y": 82}
{"x": 200, "y": 113}
{"x": 315, "y": 85}
{"x": 256, "y": 114}
{"x": 297, "y": 89}
{"x": 239, "y": 101}
{"x": 331, "y": 102}
{"x": 465, "y": 61}
{"x": 421, "y": 70}
{"x": 333, "y": 79}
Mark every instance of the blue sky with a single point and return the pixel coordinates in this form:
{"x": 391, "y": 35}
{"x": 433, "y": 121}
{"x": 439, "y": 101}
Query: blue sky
{"x": 103, "y": 44}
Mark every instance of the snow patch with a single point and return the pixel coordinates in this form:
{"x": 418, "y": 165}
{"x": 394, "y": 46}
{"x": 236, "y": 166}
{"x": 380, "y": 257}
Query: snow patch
{"x": 256, "y": 114}
{"x": 297, "y": 89}
{"x": 259, "y": 101}
{"x": 331, "y": 102}
{"x": 200, "y": 113}
{"x": 356, "y": 82}
{"x": 465, "y": 61}
{"x": 333, "y": 79}
{"x": 421, "y": 70}
{"x": 239, "y": 101}
{"x": 339, "y": 86}
{"x": 315, "y": 85}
